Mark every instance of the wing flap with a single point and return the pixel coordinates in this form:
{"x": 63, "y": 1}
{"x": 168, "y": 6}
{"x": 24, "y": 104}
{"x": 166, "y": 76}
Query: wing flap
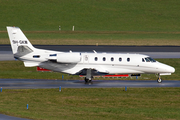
{"x": 95, "y": 71}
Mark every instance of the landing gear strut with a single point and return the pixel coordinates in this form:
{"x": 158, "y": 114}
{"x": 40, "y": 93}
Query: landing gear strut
{"x": 89, "y": 76}
{"x": 159, "y": 80}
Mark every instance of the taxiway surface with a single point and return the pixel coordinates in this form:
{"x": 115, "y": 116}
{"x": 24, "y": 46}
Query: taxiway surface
{"x": 102, "y": 48}
{"x": 41, "y": 83}
{"x": 6, "y": 117}
{"x": 153, "y": 51}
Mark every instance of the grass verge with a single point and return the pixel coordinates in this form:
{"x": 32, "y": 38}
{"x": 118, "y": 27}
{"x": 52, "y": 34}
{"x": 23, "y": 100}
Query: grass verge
{"x": 100, "y": 38}
{"x": 92, "y": 103}
{"x": 88, "y": 15}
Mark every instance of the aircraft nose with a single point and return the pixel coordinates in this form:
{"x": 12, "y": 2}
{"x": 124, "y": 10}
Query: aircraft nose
{"x": 169, "y": 69}
{"x": 166, "y": 68}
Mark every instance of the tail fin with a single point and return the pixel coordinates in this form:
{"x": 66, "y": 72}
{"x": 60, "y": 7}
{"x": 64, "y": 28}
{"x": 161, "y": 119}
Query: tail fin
{"x": 19, "y": 43}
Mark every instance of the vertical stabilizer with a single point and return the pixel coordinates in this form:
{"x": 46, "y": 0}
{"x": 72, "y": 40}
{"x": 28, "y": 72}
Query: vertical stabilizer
{"x": 18, "y": 39}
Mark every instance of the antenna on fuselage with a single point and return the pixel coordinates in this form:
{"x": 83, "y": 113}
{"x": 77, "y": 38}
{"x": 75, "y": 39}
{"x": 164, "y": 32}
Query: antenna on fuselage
{"x": 94, "y": 51}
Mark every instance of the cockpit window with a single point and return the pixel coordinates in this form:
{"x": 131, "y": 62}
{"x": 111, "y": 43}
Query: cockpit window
{"x": 149, "y": 59}
{"x": 152, "y": 60}
{"x": 143, "y": 60}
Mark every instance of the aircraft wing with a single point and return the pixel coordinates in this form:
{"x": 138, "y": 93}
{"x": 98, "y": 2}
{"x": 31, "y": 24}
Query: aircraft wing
{"x": 95, "y": 71}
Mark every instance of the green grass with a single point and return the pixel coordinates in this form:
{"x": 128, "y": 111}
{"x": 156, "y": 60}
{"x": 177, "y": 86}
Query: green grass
{"x": 91, "y": 15}
{"x": 122, "y": 22}
{"x": 100, "y": 38}
{"x": 16, "y": 69}
{"x": 92, "y": 103}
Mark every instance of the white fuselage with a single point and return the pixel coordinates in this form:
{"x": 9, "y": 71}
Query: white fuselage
{"x": 102, "y": 62}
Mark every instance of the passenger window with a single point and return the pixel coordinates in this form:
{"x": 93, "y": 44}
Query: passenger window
{"x": 143, "y": 60}
{"x": 120, "y": 59}
{"x": 104, "y": 59}
{"x": 95, "y": 58}
{"x": 112, "y": 59}
{"x": 128, "y": 59}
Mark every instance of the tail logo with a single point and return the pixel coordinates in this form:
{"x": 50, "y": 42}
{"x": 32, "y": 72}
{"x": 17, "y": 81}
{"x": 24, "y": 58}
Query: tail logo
{"x": 20, "y": 42}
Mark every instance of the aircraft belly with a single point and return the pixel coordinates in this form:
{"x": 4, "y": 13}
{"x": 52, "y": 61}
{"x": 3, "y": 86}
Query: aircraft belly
{"x": 131, "y": 69}
{"x": 147, "y": 69}
{"x": 109, "y": 69}
{"x": 123, "y": 70}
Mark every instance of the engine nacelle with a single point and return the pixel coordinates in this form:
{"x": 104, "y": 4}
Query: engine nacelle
{"x": 69, "y": 57}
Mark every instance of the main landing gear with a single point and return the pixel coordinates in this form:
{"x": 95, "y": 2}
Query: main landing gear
{"x": 89, "y": 76}
{"x": 88, "y": 80}
{"x": 159, "y": 80}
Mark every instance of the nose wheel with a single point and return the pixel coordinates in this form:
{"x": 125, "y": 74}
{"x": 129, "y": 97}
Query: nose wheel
{"x": 159, "y": 80}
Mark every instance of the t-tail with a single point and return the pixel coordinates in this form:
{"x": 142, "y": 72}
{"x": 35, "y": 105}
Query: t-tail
{"x": 19, "y": 43}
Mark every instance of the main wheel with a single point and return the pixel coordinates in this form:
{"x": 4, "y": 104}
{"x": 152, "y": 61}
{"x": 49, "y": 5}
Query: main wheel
{"x": 87, "y": 80}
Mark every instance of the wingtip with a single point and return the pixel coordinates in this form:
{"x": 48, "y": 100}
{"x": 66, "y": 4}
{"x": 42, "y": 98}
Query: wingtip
{"x": 11, "y": 27}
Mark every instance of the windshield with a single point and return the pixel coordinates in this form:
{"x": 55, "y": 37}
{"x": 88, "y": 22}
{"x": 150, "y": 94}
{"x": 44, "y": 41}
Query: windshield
{"x": 149, "y": 59}
{"x": 152, "y": 60}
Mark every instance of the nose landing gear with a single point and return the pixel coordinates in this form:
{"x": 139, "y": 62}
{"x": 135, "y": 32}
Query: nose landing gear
{"x": 159, "y": 80}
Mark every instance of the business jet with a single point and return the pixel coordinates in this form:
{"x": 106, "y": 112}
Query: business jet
{"x": 87, "y": 64}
